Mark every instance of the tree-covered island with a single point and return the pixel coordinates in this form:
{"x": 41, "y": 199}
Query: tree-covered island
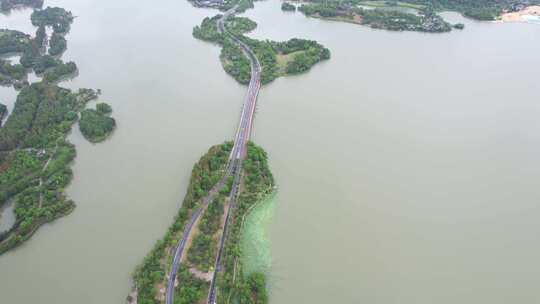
{"x": 277, "y": 58}
{"x": 97, "y": 125}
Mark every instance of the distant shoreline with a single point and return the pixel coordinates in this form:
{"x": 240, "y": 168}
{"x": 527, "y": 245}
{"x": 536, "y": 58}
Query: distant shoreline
{"x": 528, "y": 14}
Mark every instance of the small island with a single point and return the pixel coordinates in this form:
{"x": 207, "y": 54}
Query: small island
{"x": 97, "y": 125}
{"x": 277, "y": 58}
{"x": 286, "y": 6}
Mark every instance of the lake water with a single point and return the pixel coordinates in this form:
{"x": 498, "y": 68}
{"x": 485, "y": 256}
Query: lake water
{"x": 407, "y": 164}
{"x": 7, "y": 217}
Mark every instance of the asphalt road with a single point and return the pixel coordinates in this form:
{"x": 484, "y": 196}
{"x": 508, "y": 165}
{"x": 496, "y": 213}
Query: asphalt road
{"x": 234, "y": 166}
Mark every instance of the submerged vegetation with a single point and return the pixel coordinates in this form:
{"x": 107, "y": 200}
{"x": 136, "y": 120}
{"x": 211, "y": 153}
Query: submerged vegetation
{"x": 277, "y": 58}
{"x": 56, "y": 17}
{"x": 35, "y": 156}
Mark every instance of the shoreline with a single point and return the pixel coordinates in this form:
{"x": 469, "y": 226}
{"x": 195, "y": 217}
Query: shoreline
{"x": 526, "y": 15}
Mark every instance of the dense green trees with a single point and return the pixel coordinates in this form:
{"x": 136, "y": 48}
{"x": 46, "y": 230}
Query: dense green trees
{"x": 252, "y": 290}
{"x": 236, "y": 63}
{"x": 12, "y": 41}
{"x": 35, "y": 179}
{"x": 97, "y": 125}
{"x": 35, "y": 157}
{"x": 202, "y": 252}
{"x": 57, "y": 17}
{"x": 6, "y": 5}
{"x": 60, "y": 71}
{"x": 34, "y": 154}
{"x": 192, "y": 290}
{"x": 240, "y": 25}
{"x": 11, "y": 73}
{"x": 208, "y": 30}
{"x": 103, "y": 108}
{"x": 286, "y": 6}
{"x": 57, "y": 44}
{"x": 44, "y": 63}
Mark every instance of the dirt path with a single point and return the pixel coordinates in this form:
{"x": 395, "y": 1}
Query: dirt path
{"x": 43, "y": 170}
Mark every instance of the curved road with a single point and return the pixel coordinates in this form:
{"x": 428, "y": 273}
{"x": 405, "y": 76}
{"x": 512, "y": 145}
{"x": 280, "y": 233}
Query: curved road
{"x": 234, "y": 167}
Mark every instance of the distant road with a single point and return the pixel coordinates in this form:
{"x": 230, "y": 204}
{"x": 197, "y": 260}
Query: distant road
{"x": 234, "y": 166}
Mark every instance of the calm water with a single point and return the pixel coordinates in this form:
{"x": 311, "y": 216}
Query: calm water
{"x": 7, "y": 217}
{"x": 407, "y": 164}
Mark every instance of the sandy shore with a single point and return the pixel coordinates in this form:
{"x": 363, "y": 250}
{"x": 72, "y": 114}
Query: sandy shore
{"x": 519, "y": 16}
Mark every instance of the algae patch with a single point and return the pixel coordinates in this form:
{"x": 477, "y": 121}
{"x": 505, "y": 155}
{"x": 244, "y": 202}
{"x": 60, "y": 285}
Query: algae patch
{"x": 255, "y": 243}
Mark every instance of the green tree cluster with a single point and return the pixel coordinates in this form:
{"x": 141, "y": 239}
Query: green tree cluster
{"x": 286, "y": 6}
{"x": 202, "y": 252}
{"x": 12, "y": 41}
{"x": 35, "y": 157}
{"x": 7, "y": 5}
{"x": 96, "y": 125}
{"x": 11, "y": 73}
{"x": 57, "y": 17}
{"x": 236, "y": 63}
{"x": 57, "y": 44}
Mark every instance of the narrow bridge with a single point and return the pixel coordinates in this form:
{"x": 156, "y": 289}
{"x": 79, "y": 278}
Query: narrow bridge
{"x": 234, "y": 166}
